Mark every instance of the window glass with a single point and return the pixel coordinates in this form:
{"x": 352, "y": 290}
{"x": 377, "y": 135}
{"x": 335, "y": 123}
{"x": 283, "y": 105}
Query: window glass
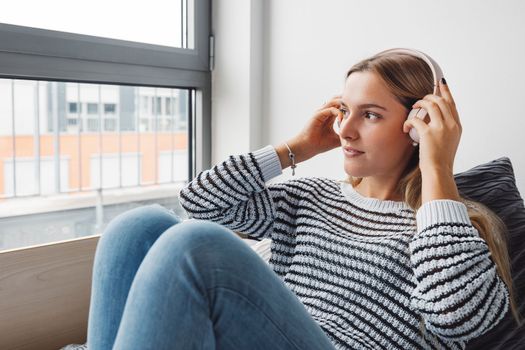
{"x": 50, "y": 147}
{"x": 159, "y": 22}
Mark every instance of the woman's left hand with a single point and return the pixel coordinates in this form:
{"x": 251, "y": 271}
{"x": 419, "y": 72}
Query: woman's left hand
{"x": 439, "y": 139}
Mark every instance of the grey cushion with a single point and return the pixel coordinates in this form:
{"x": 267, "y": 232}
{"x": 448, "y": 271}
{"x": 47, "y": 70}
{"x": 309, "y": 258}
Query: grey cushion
{"x": 494, "y": 185}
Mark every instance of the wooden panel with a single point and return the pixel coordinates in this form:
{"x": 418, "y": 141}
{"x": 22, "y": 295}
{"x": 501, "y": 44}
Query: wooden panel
{"x": 44, "y": 294}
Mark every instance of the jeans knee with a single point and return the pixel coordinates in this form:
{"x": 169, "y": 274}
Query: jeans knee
{"x": 200, "y": 238}
{"x": 142, "y": 224}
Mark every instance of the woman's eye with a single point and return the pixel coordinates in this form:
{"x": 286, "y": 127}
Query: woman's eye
{"x": 368, "y": 115}
{"x": 372, "y": 116}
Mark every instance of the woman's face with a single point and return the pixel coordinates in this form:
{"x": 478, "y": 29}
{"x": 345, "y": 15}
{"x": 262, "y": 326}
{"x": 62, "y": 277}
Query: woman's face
{"x": 373, "y": 124}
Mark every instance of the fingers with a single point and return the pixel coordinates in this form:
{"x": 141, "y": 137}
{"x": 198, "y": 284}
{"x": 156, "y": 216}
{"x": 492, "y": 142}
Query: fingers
{"x": 433, "y": 110}
{"x": 447, "y": 96}
{"x": 416, "y": 123}
{"x": 441, "y": 110}
{"x": 334, "y": 111}
{"x": 445, "y": 92}
{"x": 328, "y": 113}
{"x": 335, "y": 101}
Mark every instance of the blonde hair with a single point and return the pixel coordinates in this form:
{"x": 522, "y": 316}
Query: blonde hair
{"x": 409, "y": 79}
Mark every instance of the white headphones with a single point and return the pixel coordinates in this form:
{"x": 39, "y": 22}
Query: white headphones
{"x": 416, "y": 112}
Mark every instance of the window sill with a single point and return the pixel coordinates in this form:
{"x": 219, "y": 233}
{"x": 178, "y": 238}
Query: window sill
{"x": 46, "y": 204}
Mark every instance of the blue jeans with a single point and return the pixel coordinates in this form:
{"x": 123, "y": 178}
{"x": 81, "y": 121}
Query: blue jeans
{"x": 159, "y": 283}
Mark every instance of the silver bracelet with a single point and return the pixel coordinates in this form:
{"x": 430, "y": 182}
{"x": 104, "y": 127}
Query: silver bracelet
{"x": 291, "y": 155}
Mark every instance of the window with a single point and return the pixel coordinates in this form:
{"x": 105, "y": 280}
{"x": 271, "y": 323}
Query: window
{"x": 92, "y": 108}
{"x": 173, "y": 166}
{"x": 110, "y": 124}
{"x": 159, "y": 105}
{"x": 117, "y": 170}
{"x": 144, "y": 103}
{"x": 167, "y": 27}
{"x": 25, "y": 184}
{"x": 120, "y": 156}
{"x": 168, "y": 105}
{"x": 74, "y": 107}
{"x": 110, "y": 108}
{"x": 94, "y": 122}
{"x": 119, "y": 138}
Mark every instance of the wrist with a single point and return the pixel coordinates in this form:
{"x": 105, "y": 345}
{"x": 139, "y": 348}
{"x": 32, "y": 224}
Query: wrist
{"x": 438, "y": 185}
{"x": 435, "y": 170}
{"x": 297, "y": 149}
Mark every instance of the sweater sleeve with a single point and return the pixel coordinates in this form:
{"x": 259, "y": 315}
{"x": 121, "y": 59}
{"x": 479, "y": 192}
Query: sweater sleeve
{"x": 458, "y": 291}
{"x": 234, "y": 194}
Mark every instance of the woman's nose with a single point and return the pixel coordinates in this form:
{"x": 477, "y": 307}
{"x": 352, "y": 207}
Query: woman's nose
{"x": 349, "y": 127}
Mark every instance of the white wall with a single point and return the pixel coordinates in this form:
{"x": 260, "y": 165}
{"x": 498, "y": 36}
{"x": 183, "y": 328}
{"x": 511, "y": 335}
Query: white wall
{"x": 306, "y": 46}
{"x": 237, "y": 88}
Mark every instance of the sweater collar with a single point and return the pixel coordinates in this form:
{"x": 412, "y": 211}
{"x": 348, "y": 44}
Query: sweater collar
{"x": 373, "y": 204}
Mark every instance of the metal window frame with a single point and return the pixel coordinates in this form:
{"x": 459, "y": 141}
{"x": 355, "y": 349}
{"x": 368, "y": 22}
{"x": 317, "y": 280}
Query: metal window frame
{"x": 39, "y": 54}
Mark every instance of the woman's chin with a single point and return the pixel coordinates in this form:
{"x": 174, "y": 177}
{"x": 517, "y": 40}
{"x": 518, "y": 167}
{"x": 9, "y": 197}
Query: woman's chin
{"x": 355, "y": 171}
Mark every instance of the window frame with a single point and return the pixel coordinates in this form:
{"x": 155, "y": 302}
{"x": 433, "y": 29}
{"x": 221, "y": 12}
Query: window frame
{"x": 86, "y": 52}
{"x": 41, "y": 54}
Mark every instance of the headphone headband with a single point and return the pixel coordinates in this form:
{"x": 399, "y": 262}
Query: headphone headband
{"x": 437, "y": 73}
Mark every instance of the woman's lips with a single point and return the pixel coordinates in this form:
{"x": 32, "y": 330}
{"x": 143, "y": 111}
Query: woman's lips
{"x": 350, "y": 152}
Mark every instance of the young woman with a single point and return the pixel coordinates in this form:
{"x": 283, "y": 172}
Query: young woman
{"x": 393, "y": 258}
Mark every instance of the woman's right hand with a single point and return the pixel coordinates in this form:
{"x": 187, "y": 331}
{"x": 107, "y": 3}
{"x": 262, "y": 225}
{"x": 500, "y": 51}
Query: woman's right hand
{"x": 318, "y": 135}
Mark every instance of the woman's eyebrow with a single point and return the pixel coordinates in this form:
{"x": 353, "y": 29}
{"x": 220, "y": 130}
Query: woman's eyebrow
{"x": 366, "y": 105}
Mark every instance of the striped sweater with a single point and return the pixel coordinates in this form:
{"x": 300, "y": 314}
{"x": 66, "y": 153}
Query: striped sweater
{"x": 373, "y": 273}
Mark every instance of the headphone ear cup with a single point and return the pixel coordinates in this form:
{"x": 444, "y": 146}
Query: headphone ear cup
{"x": 416, "y": 113}
{"x": 337, "y": 126}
